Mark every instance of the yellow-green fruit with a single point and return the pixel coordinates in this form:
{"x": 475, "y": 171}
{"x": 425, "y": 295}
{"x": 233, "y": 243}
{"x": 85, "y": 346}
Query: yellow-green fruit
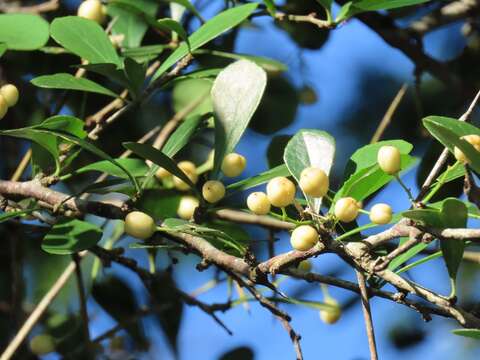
{"x": 314, "y": 182}
{"x": 333, "y": 314}
{"x": 258, "y": 203}
{"x": 92, "y": 10}
{"x": 280, "y": 191}
{"x": 213, "y": 191}
{"x": 42, "y": 344}
{"x": 346, "y": 209}
{"x": 389, "y": 159}
{"x": 139, "y": 225}
{"x": 474, "y": 140}
{"x": 305, "y": 266}
{"x": 190, "y": 170}
{"x": 233, "y": 164}
{"x": 381, "y": 214}
{"x": 187, "y": 206}
{"x": 304, "y": 237}
{"x": 162, "y": 174}
{"x": 10, "y": 94}
{"x": 3, "y": 107}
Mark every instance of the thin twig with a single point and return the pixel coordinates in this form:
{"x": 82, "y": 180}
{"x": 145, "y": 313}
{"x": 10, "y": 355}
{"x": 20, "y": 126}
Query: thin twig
{"x": 367, "y": 314}
{"x": 387, "y": 118}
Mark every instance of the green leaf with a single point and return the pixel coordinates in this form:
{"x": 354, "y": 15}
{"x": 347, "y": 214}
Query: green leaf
{"x": 410, "y": 253}
{"x": 420, "y": 262}
{"x": 187, "y": 5}
{"x": 156, "y": 156}
{"x": 70, "y": 82}
{"x": 207, "y": 32}
{"x": 372, "y": 5}
{"x": 347, "y": 10}
{"x": 259, "y": 179}
{"x": 23, "y": 31}
{"x": 327, "y": 4}
{"x": 135, "y": 74}
{"x": 448, "y": 131}
{"x": 84, "y": 38}
{"x": 271, "y": 8}
{"x": 69, "y": 124}
{"x": 3, "y": 49}
{"x": 471, "y": 333}
{"x": 160, "y": 204}
{"x": 188, "y": 91}
{"x": 269, "y": 65}
{"x": 135, "y": 167}
{"x": 69, "y": 236}
{"x": 5, "y": 216}
{"x": 181, "y": 136}
{"x": 143, "y": 54}
{"x": 172, "y": 25}
{"x": 310, "y": 148}
{"x": 236, "y": 94}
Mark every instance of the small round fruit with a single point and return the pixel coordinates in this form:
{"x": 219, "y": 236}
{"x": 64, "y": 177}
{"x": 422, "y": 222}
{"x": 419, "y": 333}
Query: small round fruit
{"x": 304, "y": 237}
{"x": 162, "y": 174}
{"x": 92, "y": 10}
{"x": 190, "y": 170}
{"x": 474, "y": 140}
{"x": 305, "y": 266}
{"x": 139, "y": 225}
{"x": 314, "y": 182}
{"x": 346, "y": 209}
{"x": 10, "y": 94}
{"x": 3, "y": 107}
{"x": 388, "y": 158}
{"x": 213, "y": 191}
{"x": 280, "y": 191}
{"x": 332, "y": 315}
{"x": 42, "y": 344}
{"x": 381, "y": 214}
{"x": 187, "y": 206}
{"x": 233, "y": 164}
{"x": 258, "y": 203}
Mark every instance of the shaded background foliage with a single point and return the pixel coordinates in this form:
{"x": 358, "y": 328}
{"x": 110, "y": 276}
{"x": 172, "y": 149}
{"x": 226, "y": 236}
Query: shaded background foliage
{"x": 340, "y": 81}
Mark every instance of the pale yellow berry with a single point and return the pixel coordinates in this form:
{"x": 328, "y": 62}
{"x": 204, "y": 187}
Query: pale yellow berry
{"x": 3, "y": 107}
{"x": 10, "y": 94}
{"x": 304, "y": 238}
{"x": 258, "y": 203}
{"x": 42, "y": 344}
{"x": 474, "y": 140}
{"x": 213, "y": 191}
{"x": 162, "y": 174}
{"x": 314, "y": 182}
{"x": 381, "y": 214}
{"x": 389, "y": 159}
{"x": 333, "y": 313}
{"x": 187, "y": 206}
{"x": 305, "y": 266}
{"x": 233, "y": 164}
{"x": 139, "y": 225}
{"x": 190, "y": 170}
{"x": 346, "y": 209}
{"x": 280, "y": 191}
{"x": 92, "y": 10}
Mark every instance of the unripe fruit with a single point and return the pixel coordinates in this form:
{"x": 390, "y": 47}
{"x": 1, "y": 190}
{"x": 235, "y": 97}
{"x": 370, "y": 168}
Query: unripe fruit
{"x": 280, "y": 191}
{"x": 305, "y": 266}
{"x": 42, "y": 344}
{"x": 3, "y": 107}
{"x": 213, "y": 191}
{"x": 388, "y": 158}
{"x": 190, "y": 170}
{"x": 187, "y": 206}
{"x": 346, "y": 209}
{"x": 332, "y": 315}
{"x": 139, "y": 225}
{"x": 258, "y": 203}
{"x": 304, "y": 237}
{"x": 314, "y": 182}
{"x": 381, "y": 214}
{"x": 474, "y": 140}
{"x": 233, "y": 164}
{"x": 162, "y": 174}
{"x": 10, "y": 94}
{"x": 92, "y": 10}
